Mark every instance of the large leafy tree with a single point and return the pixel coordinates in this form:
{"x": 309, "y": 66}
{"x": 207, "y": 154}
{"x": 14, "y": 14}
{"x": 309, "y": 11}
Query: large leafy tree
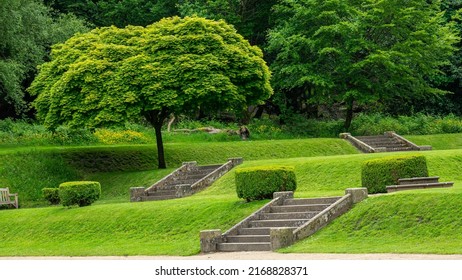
{"x": 358, "y": 52}
{"x": 27, "y": 31}
{"x": 111, "y": 75}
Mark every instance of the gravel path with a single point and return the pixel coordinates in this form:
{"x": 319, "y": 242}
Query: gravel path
{"x": 262, "y": 256}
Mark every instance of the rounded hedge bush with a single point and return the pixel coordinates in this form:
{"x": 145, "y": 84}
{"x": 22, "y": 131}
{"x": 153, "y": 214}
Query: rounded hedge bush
{"x": 376, "y": 174}
{"x": 256, "y": 183}
{"x": 52, "y": 195}
{"x": 82, "y": 193}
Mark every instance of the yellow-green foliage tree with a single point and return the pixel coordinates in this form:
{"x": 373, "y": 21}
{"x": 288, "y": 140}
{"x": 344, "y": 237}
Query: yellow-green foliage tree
{"x": 111, "y": 75}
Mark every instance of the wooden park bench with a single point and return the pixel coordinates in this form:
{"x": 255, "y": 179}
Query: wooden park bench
{"x": 6, "y": 197}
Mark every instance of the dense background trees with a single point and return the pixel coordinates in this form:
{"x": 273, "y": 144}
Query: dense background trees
{"x": 27, "y": 30}
{"x": 363, "y": 56}
{"x": 112, "y": 75}
{"x": 350, "y": 52}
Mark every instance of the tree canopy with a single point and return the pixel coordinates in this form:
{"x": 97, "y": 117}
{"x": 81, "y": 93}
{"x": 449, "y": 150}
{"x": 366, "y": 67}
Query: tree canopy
{"x": 27, "y": 31}
{"x": 360, "y": 51}
{"x": 116, "y": 12}
{"x": 112, "y": 75}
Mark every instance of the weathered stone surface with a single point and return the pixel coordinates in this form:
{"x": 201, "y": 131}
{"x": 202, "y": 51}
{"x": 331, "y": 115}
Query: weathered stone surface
{"x": 357, "y": 194}
{"x": 236, "y": 161}
{"x": 209, "y": 240}
{"x": 283, "y": 195}
{"x": 344, "y": 135}
{"x": 324, "y": 217}
{"x": 137, "y": 194}
{"x": 281, "y": 237}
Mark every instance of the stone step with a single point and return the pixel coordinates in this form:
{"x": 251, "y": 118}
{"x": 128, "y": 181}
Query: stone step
{"x": 278, "y": 223}
{"x": 256, "y": 231}
{"x": 373, "y": 138}
{"x": 168, "y": 187}
{"x": 163, "y": 197}
{"x": 399, "y": 149}
{"x": 236, "y": 247}
{"x": 288, "y": 215}
{"x": 298, "y": 208}
{"x": 388, "y": 145}
{"x": 184, "y": 182}
{"x": 396, "y": 188}
{"x": 208, "y": 168}
{"x": 305, "y": 201}
{"x": 247, "y": 238}
{"x": 193, "y": 176}
{"x": 418, "y": 180}
{"x": 382, "y": 140}
{"x": 162, "y": 192}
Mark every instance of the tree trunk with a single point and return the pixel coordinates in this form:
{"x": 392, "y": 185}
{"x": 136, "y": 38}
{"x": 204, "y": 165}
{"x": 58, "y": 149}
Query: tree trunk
{"x": 160, "y": 146}
{"x": 156, "y": 119}
{"x": 349, "y": 115}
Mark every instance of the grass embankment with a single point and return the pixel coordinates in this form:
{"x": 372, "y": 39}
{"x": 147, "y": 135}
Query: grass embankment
{"x": 28, "y": 171}
{"x": 395, "y": 223}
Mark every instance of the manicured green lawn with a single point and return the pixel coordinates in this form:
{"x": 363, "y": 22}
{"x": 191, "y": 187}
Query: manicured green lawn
{"x": 150, "y": 228}
{"x": 395, "y": 223}
{"x": 408, "y": 222}
{"x": 426, "y": 221}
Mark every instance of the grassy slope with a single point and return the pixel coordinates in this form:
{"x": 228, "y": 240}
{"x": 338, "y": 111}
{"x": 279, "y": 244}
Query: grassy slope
{"x": 385, "y": 224}
{"x": 380, "y": 224}
{"x": 159, "y": 228}
{"x": 28, "y": 171}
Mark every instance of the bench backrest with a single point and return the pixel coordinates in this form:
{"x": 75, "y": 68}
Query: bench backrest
{"x": 4, "y": 194}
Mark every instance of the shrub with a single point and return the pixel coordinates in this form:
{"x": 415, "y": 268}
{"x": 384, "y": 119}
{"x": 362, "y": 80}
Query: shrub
{"x": 376, "y": 174}
{"x": 52, "y": 195}
{"x": 256, "y": 183}
{"x": 127, "y": 136}
{"x": 82, "y": 193}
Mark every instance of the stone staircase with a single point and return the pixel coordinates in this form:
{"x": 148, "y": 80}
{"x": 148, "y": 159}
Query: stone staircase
{"x": 185, "y": 181}
{"x": 388, "y": 142}
{"x": 292, "y": 214}
{"x": 280, "y": 223}
{"x": 417, "y": 183}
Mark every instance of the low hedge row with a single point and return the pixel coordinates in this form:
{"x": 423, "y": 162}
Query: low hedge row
{"x": 82, "y": 193}
{"x": 256, "y": 183}
{"x": 376, "y": 174}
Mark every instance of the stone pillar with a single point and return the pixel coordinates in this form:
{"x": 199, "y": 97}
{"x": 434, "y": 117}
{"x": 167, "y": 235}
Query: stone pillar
{"x": 344, "y": 135}
{"x": 190, "y": 165}
{"x": 137, "y": 194}
{"x": 357, "y": 194}
{"x": 284, "y": 195}
{"x": 281, "y": 237}
{"x": 209, "y": 240}
{"x": 236, "y": 161}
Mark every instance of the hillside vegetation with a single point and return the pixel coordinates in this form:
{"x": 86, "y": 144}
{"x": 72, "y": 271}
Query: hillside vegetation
{"x": 389, "y": 223}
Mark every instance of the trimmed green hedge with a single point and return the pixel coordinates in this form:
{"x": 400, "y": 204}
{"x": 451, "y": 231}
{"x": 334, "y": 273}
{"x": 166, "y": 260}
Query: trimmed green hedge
{"x": 82, "y": 193}
{"x": 256, "y": 183}
{"x": 110, "y": 159}
{"x": 52, "y": 195}
{"x": 376, "y": 174}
